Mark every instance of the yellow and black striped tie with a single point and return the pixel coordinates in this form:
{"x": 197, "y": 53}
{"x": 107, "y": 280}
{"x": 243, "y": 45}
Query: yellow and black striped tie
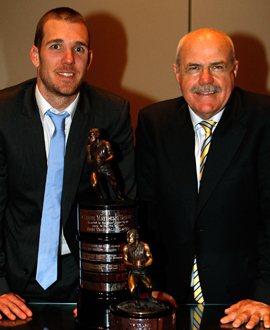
{"x": 197, "y": 317}
{"x": 208, "y": 126}
{"x": 198, "y": 295}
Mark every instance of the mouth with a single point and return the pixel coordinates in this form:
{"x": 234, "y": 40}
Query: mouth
{"x": 66, "y": 74}
{"x": 205, "y": 93}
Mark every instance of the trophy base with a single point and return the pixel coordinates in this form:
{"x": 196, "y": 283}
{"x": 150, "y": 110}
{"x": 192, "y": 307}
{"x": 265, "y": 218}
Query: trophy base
{"x": 149, "y": 315}
{"x": 93, "y": 308}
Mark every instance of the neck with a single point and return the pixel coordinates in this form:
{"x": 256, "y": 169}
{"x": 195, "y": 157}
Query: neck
{"x": 56, "y": 100}
{"x": 59, "y": 103}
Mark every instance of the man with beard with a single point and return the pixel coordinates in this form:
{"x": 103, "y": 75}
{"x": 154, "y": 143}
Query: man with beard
{"x": 203, "y": 164}
{"x": 36, "y": 117}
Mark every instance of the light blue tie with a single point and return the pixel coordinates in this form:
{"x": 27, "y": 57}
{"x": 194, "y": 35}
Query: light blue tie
{"x": 50, "y": 221}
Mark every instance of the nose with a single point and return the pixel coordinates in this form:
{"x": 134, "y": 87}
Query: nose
{"x": 206, "y": 77}
{"x": 68, "y": 57}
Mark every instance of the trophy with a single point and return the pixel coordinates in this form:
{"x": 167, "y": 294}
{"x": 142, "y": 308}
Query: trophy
{"x": 102, "y": 228}
{"x": 141, "y": 314}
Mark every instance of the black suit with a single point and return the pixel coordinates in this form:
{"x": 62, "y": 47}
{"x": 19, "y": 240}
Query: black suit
{"x": 23, "y": 167}
{"x": 227, "y": 225}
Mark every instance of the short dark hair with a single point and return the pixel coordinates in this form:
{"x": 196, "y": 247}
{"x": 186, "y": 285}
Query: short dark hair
{"x": 62, "y": 13}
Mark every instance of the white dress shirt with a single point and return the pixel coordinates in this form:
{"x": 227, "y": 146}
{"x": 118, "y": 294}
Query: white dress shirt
{"x": 200, "y": 136}
{"x": 48, "y": 129}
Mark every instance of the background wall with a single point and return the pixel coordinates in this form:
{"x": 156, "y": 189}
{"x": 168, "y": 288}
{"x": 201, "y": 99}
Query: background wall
{"x": 134, "y": 42}
{"x": 247, "y": 23}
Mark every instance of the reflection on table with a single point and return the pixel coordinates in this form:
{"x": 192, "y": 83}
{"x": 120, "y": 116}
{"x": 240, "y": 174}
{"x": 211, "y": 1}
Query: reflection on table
{"x": 60, "y": 317}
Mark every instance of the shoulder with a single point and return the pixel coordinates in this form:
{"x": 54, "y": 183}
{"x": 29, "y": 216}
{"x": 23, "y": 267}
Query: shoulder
{"x": 157, "y": 116}
{"x": 163, "y": 108}
{"x": 106, "y": 144}
{"x": 125, "y": 248}
{"x": 12, "y": 96}
{"x": 143, "y": 245}
{"x": 101, "y": 96}
{"x": 250, "y": 109}
{"x": 250, "y": 101}
{"x": 17, "y": 90}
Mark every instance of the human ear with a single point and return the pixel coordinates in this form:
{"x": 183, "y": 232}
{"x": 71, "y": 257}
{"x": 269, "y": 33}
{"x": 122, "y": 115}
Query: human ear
{"x": 34, "y": 55}
{"x": 176, "y": 71}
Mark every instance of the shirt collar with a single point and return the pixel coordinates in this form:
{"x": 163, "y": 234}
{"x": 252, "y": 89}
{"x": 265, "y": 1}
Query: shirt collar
{"x": 196, "y": 119}
{"x": 44, "y": 106}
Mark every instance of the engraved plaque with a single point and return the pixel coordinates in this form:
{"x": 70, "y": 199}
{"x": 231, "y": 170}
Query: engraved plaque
{"x": 101, "y": 247}
{"x": 101, "y": 257}
{"x": 107, "y": 287}
{"x": 100, "y": 267}
{"x": 104, "y": 277}
{"x": 106, "y": 221}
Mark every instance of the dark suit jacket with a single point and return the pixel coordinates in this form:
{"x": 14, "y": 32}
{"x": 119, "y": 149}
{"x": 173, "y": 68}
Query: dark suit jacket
{"x": 23, "y": 167}
{"x": 227, "y": 225}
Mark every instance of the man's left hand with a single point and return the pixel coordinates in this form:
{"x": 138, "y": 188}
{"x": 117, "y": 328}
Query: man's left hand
{"x": 247, "y": 311}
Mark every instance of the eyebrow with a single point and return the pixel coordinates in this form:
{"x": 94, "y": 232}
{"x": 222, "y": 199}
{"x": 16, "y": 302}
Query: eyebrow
{"x": 59, "y": 40}
{"x": 199, "y": 64}
{"x": 193, "y": 63}
{"x": 54, "y": 41}
{"x": 219, "y": 62}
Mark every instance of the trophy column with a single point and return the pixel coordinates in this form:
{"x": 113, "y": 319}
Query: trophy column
{"x": 102, "y": 232}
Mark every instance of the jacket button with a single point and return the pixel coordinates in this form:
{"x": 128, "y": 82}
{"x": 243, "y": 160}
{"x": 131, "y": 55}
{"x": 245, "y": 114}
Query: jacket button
{"x": 25, "y": 271}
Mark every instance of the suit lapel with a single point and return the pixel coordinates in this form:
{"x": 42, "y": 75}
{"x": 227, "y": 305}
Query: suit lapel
{"x": 180, "y": 141}
{"x": 76, "y": 152}
{"x": 226, "y": 139}
{"x": 33, "y": 132}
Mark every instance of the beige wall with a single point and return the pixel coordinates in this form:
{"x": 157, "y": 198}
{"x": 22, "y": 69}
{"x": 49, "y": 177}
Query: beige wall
{"x": 247, "y": 22}
{"x": 134, "y": 41}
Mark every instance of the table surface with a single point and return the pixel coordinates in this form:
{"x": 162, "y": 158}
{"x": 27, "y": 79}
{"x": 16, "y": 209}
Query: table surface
{"x": 51, "y": 316}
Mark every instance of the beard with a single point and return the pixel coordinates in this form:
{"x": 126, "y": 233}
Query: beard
{"x": 67, "y": 89}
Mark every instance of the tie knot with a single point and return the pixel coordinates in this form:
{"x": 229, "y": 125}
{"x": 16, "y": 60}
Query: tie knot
{"x": 208, "y": 125}
{"x": 58, "y": 119}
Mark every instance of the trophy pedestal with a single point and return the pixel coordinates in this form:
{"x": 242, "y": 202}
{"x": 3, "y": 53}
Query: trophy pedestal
{"x": 150, "y": 315}
{"x": 102, "y": 229}
{"x": 93, "y": 308}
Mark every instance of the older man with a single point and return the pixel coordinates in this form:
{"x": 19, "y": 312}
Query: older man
{"x": 203, "y": 176}
{"x": 44, "y": 125}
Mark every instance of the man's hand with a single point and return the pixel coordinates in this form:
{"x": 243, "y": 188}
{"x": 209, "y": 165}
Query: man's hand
{"x": 14, "y": 306}
{"x": 247, "y": 311}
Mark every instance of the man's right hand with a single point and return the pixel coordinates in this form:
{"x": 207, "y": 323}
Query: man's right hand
{"x": 13, "y": 306}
